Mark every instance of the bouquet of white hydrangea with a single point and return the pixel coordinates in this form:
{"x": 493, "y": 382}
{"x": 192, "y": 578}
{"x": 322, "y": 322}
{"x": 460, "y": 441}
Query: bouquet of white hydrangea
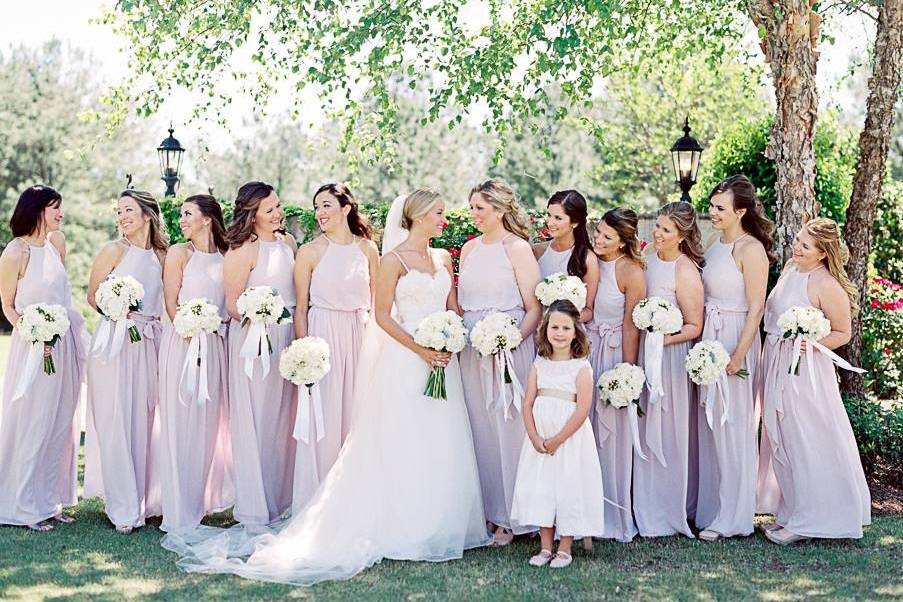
{"x": 658, "y": 317}
{"x": 809, "y": 324}
{"x": 621, "y": 387}
{"x": 706, "y": 364}
{"x": 115, "y": 298}
{"x": 261, "y": 307}
{"x": 195, "y": 319}
{"x": 304, "y": 363}
{"x": 42, "y": 324}
{"x": 561, "y": 286}
{"x": 442, "y": 331}
{"x": 496, "y": 336}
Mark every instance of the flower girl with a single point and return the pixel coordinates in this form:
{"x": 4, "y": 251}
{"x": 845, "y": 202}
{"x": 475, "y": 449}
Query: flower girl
{"x": 559, "y": 481}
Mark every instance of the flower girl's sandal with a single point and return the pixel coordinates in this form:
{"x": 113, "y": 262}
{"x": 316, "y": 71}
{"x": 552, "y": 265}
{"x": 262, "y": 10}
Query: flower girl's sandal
{"x": 502, "y": 537}
{"x": 561, "y": 560}
{"x": 542, "y": 558}
{"x": 707, "y": 535}
{"x": 783, "y": 537}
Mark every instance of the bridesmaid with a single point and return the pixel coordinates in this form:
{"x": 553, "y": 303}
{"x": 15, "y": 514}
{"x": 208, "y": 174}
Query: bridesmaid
{"x": 660, "y": 483}
{"x": 39, "y": 430}
{"x": 498, "y": 273}
{"x": 614, "y": 338}
{"x": 262, "y": 408}
{"x": 122, "y": 389}
{"x": 195, "y": 455}
{"x": 822, "y": 485}
{"x": 735, "y": 278}
{"x": 334, "y": 278}
{"x": 569, "y": 250}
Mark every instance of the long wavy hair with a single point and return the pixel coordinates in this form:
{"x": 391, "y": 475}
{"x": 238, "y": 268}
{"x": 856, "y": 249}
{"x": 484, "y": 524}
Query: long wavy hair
{"x": 684, "y": 217}
{"x": 626, "y": 222}
{"x": 574, "y": 205}
{"x": 580, "y": 344}
{"x": 29, "y": 210}
{"x": 827, "y": 237}
{"x": 209, "y": 207}
{"x": 754, "y": 221}
{"x": 501, "y": 196}
{"x": 357, "y": 222}
{"x": 149, "y": 207}
{"x": 247, "y": 201}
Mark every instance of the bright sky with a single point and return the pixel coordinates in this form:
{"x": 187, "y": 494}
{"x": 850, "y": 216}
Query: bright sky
{"x": 34, "y": 21}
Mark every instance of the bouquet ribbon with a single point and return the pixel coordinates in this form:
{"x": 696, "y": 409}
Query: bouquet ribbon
{"x": 33, "y": 362}
{"x": 634, "y": 420}
{"x": 719, "y": 386}
{"x": 653, "y": 350}
{"x": 194, "y": 370}
{"x": 309, "y": 395}
{"x": 810, "y": 364}
{"x": 503, "y": 361}
{"x": 110, "y": 335}
{"x": 256, "y": 345}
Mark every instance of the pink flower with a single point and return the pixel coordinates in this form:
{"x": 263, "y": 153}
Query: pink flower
{"x": 888, "y": 351}
{"x": 643, "y": 244}
{"x": 471, "y": 236}
{"x": 875, "y": 304}
{"x": 454, "y": 252}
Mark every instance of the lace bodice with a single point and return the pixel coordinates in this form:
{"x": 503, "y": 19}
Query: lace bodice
{"x": 419, "y": 294}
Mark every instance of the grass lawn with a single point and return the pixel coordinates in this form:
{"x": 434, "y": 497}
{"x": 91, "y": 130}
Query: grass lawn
{"x": 89, "y": 560}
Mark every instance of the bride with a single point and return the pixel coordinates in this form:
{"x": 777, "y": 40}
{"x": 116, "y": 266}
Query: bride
{"x": 405, "y": 485}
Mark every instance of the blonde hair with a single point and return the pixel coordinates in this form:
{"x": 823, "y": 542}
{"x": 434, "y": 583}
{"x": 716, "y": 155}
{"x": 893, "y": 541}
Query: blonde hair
{"x": 501, "y": 196}
{"x": 684, "y": 217}
{"x": 826, "y": 234}
{"x": 148, "y": 204}
{"x": 417, "y": 204}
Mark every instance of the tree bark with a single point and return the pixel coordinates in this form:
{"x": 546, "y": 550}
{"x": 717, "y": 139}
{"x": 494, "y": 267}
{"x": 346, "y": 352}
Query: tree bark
{"x": 788, "y": 37}
{"x": 874, "y": 142}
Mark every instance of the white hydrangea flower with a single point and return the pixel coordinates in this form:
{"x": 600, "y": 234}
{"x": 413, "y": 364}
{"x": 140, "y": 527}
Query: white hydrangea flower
{"x": 262, "y": 305}
{"x": 196, "y": 316}
{"x": 807, "y": 322}
{"x": 622, "y": 385}
{"x": 118, "y": 295}
{"x": 442, "y": 331}
{"x": 305, "y": 361}
{"x": 656, "y": 314}
{"x": 561, "y": 286}
{"x": 495, "y": 333}
{"x": 706, "y": 362}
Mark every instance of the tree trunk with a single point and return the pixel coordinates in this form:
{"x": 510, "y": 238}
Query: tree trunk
{"x": 788, "y": 32}
{"x": 874, "y": 142}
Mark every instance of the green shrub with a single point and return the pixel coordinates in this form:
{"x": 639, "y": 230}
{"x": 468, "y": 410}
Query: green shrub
{"x": 887, "y": 232}
{"x": 879, "y": 435}
{"x": 882, "y": 338}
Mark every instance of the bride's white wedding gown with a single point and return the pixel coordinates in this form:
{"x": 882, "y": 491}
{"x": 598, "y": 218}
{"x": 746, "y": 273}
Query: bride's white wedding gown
{"x": 404, "y": 487}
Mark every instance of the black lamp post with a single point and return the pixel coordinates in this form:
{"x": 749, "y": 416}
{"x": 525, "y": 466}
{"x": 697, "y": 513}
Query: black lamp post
{"x": 685, "y": 158}
{"x": 170, "y": 152}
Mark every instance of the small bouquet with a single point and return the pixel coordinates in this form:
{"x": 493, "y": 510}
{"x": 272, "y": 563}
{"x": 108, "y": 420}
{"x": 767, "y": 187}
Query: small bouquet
{"x": 655, "y": 314}
{"x": 561, "y": 286}
{"x": 261, "y": 307}
{"x": 496, "y": 336}
{"x": 194, "y": 318}
{"x": 116, "y": 297}
{"x": 43, "y": 324}
{"x": 305, "y": 362}
{"x": 706, "y": 364}
{"x": 807, "y": 323}
{"x": 442, "y": 331}
{"x": 621, "y": 387}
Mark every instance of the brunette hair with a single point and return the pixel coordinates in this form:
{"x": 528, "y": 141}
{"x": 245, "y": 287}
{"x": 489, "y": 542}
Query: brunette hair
{"x": 684, "y": 217}
{"x": 574, "y": 205}
{"x": 26, "y": 217}
{"x": 209, "y": 207}
{"x": 357, "y": 222}
{"x": 626, "y": 222}
{"x": 246, "y": 203}
{"x": 827, "y": 237}
{"x": 580, "y": 344}
{"x": 159, "y": 240}
{"x": 754, "y": 221}
{"x": 501, "y": 196}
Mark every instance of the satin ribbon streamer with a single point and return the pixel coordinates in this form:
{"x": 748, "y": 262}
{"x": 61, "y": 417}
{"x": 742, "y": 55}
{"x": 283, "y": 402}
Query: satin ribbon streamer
{"x": 307, "y": 395}
{"x": 256, "y": 345}
{"x": 653, "y": 350}
{"x": 33, "y": 362}
{"x": 712, "y": 390}
{"x": 111, "y": 336}
{"x": 810, "y": 364}
{"x": 502, "y": 360}
{"x": 634, "y": 420}
{"x": 194, "y": 370}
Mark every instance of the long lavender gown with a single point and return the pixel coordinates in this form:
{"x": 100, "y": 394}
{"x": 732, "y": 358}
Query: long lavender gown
{"x": 660, "y": 482}
{"x": 39, "y": 430}
{"x": 195, "y": 451}
{"x": 339, "y": 312}
{"x": 122, "y": 404}
{"x": 262, "y": 408}
{"x": 611, "y": 425}
{"x": 727, "y": 452}
{"x": 487, "y": 284}
{"x": 823, "y": 492}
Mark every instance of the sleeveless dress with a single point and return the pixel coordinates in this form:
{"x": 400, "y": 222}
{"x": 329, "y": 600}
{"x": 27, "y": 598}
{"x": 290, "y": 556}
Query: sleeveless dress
{"x": 262, "y": 409}
{"x": 486, "y": 285}
{"x": 39, "y": 431}
{"x": 823, "y": 492}
{"x": 727, "y": 452}
{"x": 405, "y": 484}
{"x": 552, "y": 261}
{"x": 562, "y": 490}
{"x": 612, "y": 426}
{"x": 122, "y": 438}
{"x": 660, "y": 483}
{"x": 195, "y": 452}
{"x": 339, "y": 312}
